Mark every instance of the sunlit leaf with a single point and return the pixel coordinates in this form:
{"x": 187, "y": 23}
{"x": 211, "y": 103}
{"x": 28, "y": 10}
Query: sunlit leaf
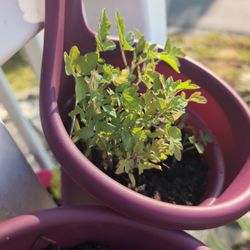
{"x": 198, "y": 98}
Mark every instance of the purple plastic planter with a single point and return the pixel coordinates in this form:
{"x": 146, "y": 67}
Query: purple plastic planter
{"x": 72, "y": 226}
{"x": 225, "y": 116}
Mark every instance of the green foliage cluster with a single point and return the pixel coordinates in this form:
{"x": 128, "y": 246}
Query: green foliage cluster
{"x": 131, "y": 129}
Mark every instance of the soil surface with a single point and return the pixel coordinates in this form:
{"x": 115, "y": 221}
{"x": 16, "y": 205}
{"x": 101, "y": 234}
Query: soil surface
{"x": 180, "y": 182}
{"x": 85, "y": 246}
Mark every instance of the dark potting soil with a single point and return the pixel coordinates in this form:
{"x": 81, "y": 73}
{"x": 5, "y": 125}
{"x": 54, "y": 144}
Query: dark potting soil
{"x": 180, "y": 182}
{"x": 85, "y": 246}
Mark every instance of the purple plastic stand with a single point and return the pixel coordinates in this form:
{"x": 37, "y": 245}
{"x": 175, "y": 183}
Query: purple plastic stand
{"x": 225, "y": 115}
{"x": 69, "y": 227}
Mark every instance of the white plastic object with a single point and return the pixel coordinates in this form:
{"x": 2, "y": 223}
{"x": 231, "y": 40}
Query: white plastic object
{"x": 149, "y": 16}
{"x": 20, "y": 190}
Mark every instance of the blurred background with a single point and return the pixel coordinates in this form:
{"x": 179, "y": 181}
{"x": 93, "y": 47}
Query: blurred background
{"x": 216, "y": 33}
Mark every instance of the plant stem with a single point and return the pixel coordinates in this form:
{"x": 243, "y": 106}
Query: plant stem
{"x": 123, "y": 56}
{"x": 138, "y": 64}
{"x": 188, "y": 148}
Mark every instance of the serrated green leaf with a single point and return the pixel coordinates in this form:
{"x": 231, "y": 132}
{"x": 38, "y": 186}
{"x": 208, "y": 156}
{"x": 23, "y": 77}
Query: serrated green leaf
{"x": 120, "y": 167}
{"x": 140, "y": 45}
{"x": 140, "y": 168}
{"x": 77, "y": 110}
{"x": 174, "y": 132}
{"x": 127, "y": 140}
{"x": 82, "y": 88}
{"x": 122, "y": 77}
{"x": 192, "y": 139}
{"x": 153, "y": 47}
{"x": 84, "y": 133}
{"x": 198, "y": 98}
{"x": 173, "y": 51}
{"x": 103, "y": 27}
{"x": 167, "y": 46}
{"x": 129, "y": 165}
{"x": 162, "y": 103}
{"x": 175, "y": 147}
{"x": 149, "y": 165}
{"x": 107, "y": 127}
{"x": 136, "y": 130}
{"x": 170, "y": 60}
{"x": 178, "y": 104}
{"x": 71, "y": 60}
{"x": 109, "y": 45}
{"x": 147, "y": 80}
{"x": 138, "y": 33}
{"x": 121, "y": 28}
{"x": 200, "y": 148}
{"x": 183, "y": 95}
{"x": 130, "y": 38}
{"x": 130, "y": 95}
{"x": 205, "y": 138}
{"x": 187, "y": 85}
{"x": 132, "y": 179}
{"x": 109, "y": 110}
{"x": 87, "y": 63}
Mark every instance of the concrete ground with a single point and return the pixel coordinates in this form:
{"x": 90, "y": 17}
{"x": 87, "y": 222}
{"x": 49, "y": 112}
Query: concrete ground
{"x": 216, "y": 15}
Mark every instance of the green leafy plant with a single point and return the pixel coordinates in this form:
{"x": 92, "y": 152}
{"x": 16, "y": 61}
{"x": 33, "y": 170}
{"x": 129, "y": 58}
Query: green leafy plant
{"x": 130, "y": 115}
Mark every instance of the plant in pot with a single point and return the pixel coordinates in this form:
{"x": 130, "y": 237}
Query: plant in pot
{"x": 224, "y": 116}
{"x": 129, "y": 121}
{"x": 88, "y": 228}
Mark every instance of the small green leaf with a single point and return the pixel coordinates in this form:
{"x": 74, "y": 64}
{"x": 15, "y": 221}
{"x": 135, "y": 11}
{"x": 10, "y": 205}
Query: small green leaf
{"x": 109, "y": 110}
{"x": 122, "y": 77}
{"x": 170, "y": 60}
{"x": 167, "y": 46}
{"x": 206, "y": 138}
{"x": 108, "y": 45}
{"x": 173, "y": 51}
{"x": 192, "y": 139}
{"x": 120, "y": 168}
{"x": 103, "y": 32}
{"x": 71, "y": 60}
{"x": 138, "y": 33}
{"x": 140, "y": 45}
{"x": 149, "y": 165}
{"x": 121, "y": 32}
{"x": 127, "y": 140}
{"x": 132, "y": 179}
{"x": 84, "y": 133}
{"x": 198, "y": 98}
{"x": 129, "y": 166}
{"x": 140, "y": 168}
{"x": 200, "y": 148}
{"x": 87, "y": 63}
{"x": 130, "y": 94}
{"x": 130, "y": 38}
{"x": 77, "y": 110}
{"x": 187, "y": 85}
{"x": 107, "y": 127}
{"x": 174, "y": 132}
{"x": 175, "y": 147}
{"x": 82, "y": 88}
{"x": 178, "y": 104}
